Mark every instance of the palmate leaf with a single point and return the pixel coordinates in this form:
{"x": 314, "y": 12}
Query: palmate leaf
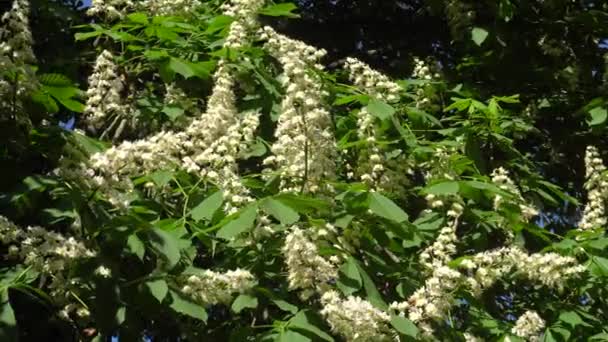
{"x": 187, "y": 307}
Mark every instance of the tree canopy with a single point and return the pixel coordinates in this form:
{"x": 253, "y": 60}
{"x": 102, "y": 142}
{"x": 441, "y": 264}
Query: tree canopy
{"x": 252, "y": 170}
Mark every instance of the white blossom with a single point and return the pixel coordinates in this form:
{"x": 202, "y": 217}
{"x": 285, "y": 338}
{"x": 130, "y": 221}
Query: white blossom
{"x": 594, "y": 214}
{"x": 306, "y": 269}
{"x": 355, "y": 319}
{"x": 209, "y": 287}
{"x": 51, "y": 254}
{"x": 16, "y": 54}
{"x": 103, "y": 272}
{"x": 304, "y": 153}
{"x": 209, "y": 146}
{"x": 372, "y": 81}
{"x": 444, "y": 247}
{"x": 115, "y": 9}
{"x": 481, "y": 271}
{"x": 432, "y": 300}
{"x": 425, "y": 93}
{"x": 103, "y": 94}
{"x": 501, "y": 178}
{"x": 529, "y": 326}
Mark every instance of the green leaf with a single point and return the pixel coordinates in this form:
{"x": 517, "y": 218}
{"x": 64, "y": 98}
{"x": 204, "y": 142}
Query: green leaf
{"x": 203, "y": 70}
{"x": 373, "y": 296}
{"x": 598, "y": 266}
{"x": 136, "y": 246}
{"x": 386, "y": 208}
{"x": 280, "y": 10}
{"x": 158, "y": 289}
{"x": 87, "y": 35}
{"x": 181, "y": 67}
{"x": 55, "y": 80}
{"x": 303, "y": 320}
{"x": 166, "y": 245}
{"x": 162, "y": 177}
{"x": 598, "y": 116}
{"x": 208, "y": 207}
{"x": 90, "y": 145}
{"x": 241, "y": 224}
{"x": 350, "y": 280}
{"x": 155, "y": 54}
{"x": 443, "y": 188}
{"x": 292, "y": 336}
{"x": 173, "y": 112}
{"x": 218, "y": 23}
{"x": 73, "y": 105}
{"x": 244, "y": 301}
{"x": 45, "y": 100}
{"x": 572, "y": 318}
{"x": 380, "y": 109}
{"x": 8, "y": 323}
{"x": 280, "y": 211}
{"x": 285, "y": 306}
{"x": 599, "y": 337}
{"x": 404, "y": 326}
{"x": 302, "y": 204}
{"x": 479, "y": 35}
{"x": 418, "y": 115}
{"x": 187, "y": 307}
{"x": 138, "y": 18}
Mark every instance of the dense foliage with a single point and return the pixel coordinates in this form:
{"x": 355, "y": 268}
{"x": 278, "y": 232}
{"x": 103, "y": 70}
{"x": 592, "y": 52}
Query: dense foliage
{"x": 212, "y": 177}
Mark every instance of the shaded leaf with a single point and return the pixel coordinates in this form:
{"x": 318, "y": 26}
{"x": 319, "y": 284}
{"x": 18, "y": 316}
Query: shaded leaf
{"x": 380, "y": 109}
{"x": 208, "y": 207}
{"x": 386, "y": 208}
{"x": 241, "y": 224}
{"x": 280, "y": 211}
{"x": 280, "y": 10}
{"x": 187, "y": 307}
{"x": 244, "y": 301}
{"x": 158, "y": 289}
{"x": 479, "y": 35}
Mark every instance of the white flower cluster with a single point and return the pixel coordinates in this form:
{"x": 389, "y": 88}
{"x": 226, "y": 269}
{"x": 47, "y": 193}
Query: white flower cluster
{"x": 441, "y": 251}
{"x": 209, "y": 146}
{"x": 355, "y": 319}
{"x": 372, "y": 81}
{"x": 485, "y": 268}
{"x": 50, "y": 253}
{"x": 374, "y": 168}
{"x": 529, "y": 326}
{"x": 114, "y": 9}
{"x": 439, "y": 166}
{"x": 16, "y": 43}
{"x": 169, "y": 7}
{"x": 304, "y": 152}
{"x": 16, "y": 52}
{"x": 307, "y": 270}
{"x": 422, "y": 71}
{"x": 500, "y": 177}
{"x": 209, "y": 287}
{"x": 103, "y": 94}
{"x": 594, "y": 214}
{"x": 244, "y": 11}
{"x": 431, "y": 301}
{"x": 425, "y": 94}
{"x": 549, "y": 269}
